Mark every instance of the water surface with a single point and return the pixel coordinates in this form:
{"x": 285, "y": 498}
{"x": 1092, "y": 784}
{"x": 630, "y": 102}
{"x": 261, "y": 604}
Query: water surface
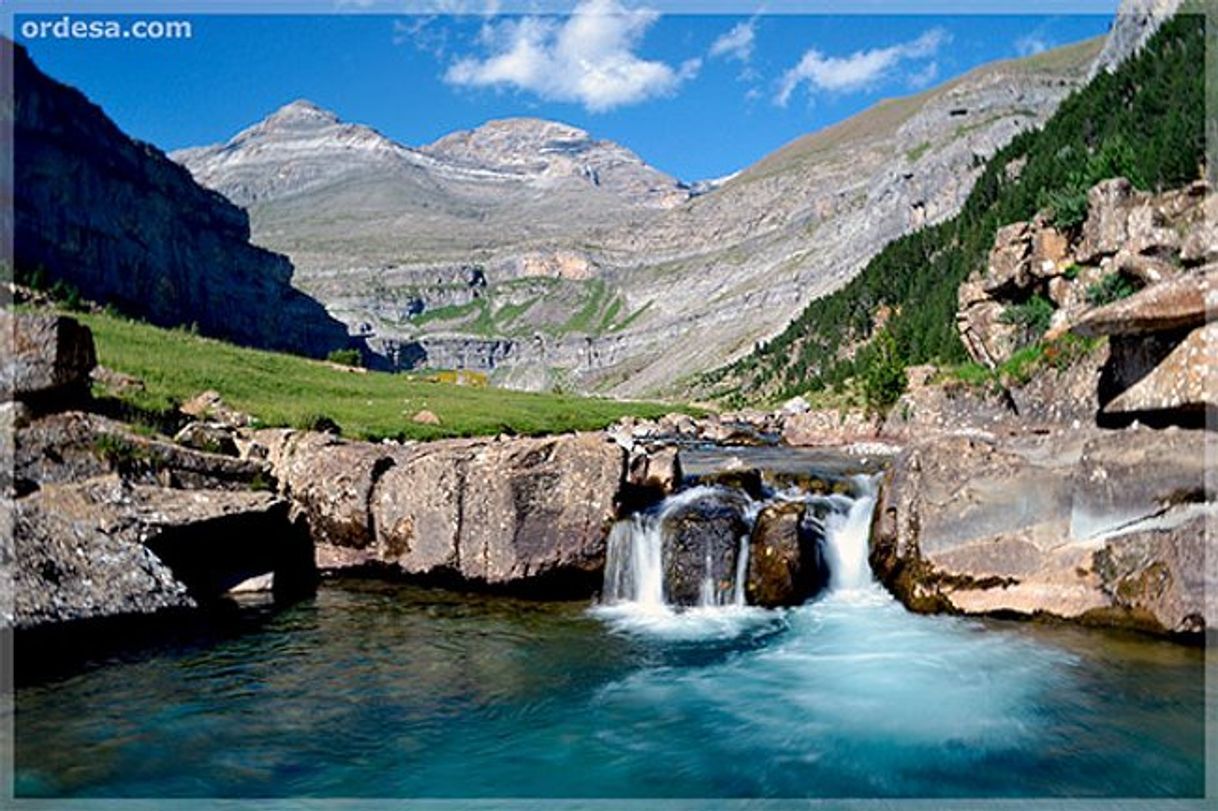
{"x": 380, "y": 690}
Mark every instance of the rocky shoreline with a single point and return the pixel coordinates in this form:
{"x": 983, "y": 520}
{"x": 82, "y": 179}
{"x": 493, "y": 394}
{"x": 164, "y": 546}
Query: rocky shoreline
{"x": 993, "y": 503}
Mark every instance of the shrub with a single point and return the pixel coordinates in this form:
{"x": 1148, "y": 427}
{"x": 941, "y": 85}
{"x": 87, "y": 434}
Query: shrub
{"x": 320, "y": 423}
{"x": 1109, "y": 289}
{"x": 345, "y": 357}
{"x": 882, "y": 372}
{"x": 1067, "y": 207}
{"x": 1032, "y": 317}
{"x": 119, "y": 453}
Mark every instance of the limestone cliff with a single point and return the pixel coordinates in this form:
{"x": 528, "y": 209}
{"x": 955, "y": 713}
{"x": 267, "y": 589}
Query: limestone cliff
{"x": 127, "y": 226}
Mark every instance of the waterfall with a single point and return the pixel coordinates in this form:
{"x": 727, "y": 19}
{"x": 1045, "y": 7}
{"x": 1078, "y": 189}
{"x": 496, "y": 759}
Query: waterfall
{"x": 637, "y": 549}
{"x": 634, "y": 569}
{"x": 847, "y": 538}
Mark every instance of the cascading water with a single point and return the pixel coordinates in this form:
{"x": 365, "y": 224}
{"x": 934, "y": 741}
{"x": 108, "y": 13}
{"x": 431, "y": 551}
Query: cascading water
{"x": 847, "y": 537}
{"x": 639, "y": 548}
{"x": 634, "y": 566}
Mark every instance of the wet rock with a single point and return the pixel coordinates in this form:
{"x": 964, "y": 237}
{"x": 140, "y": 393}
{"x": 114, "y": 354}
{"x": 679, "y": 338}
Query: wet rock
{"x": 786, "y": 561}
{"x": 47, "y": 360}
{"x": 702, "y": 546}
{"x": 651, "y": 476}
{"x": 748, "y": 480}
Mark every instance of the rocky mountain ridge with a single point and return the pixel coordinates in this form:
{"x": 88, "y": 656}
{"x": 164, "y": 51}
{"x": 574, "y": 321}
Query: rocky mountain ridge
{"x": 301, "y": 146}
{"x": 542, "y": 256}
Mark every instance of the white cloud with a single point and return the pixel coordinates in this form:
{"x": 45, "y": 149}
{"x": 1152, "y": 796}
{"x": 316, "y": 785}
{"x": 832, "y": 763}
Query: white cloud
{"x": 925, "y": 76}
{"x": 737, "y": 43}
{"x": 861, "y": 68}
{"x": 589, "y": 58}
{"x": 1031, "y": 45}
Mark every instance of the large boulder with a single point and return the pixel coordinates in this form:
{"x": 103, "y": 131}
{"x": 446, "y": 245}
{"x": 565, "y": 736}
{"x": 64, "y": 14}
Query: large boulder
{"x": 702, "y": 545}
{"x": 786, "y": 558}
{"x": 47, "y": 359}
{"x": 507, "y": 512}
{"x": 1102, "y": 530}
{"x": 1106, "y": 228}
{"x": 1180, "y": 303}
{"x": 1180, "y": 384}
{"x": 105, "y": 547}
{"x": 330, "y": 482}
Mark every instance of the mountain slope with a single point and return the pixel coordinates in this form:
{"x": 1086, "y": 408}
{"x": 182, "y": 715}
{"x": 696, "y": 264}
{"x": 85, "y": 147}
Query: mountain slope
{"x": 531, "y": 250}
{"x": 1144, "y": 121}
{"x": 125, "y": 225}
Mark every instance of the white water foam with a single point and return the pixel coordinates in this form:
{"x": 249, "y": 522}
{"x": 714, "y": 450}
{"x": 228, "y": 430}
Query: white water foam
{"x": 634, "y": 599}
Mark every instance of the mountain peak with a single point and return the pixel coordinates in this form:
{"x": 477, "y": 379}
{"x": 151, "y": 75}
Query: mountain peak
{"x": 302, "y": 111}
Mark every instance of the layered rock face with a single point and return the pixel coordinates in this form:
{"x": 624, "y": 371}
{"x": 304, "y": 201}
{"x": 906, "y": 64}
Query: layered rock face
{"x": 1107, "y": 528}
{"x": 480, "y": 250}
{"x": 126, "y": 226}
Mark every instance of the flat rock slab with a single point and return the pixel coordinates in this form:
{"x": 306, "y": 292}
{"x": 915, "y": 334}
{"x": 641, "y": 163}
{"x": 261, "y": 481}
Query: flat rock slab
{"x": 1105, "y": 527}
{"x": 1176, "y": 304}
{"x": 104, "y": 547}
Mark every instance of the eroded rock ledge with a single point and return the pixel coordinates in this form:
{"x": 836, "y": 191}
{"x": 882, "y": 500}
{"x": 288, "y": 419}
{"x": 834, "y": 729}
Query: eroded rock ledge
{"x": 1105, "y": 528}
{"x": 108, "y": 522}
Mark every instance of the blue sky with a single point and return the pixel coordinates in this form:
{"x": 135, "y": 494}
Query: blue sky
{"x": 698, "y": 96}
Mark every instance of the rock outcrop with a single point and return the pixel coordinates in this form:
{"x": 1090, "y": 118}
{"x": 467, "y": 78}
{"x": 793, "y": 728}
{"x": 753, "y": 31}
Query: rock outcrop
{"x": 104, "y": 547}
{"x": 1129, "y": 240}
{"x": 1099, "y": 527}
{"x": 127, "y": 226}
{"x": 1136, "y": 21}
{"x": 47, "y": 360}
{"x": 108, "y": 523}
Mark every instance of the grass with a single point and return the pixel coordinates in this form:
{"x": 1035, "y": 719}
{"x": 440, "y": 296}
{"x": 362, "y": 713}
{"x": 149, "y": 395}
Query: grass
{"x": 1024, "y": 363}
{"x": 285, "y": 390}
{"x": 917, "y": 152}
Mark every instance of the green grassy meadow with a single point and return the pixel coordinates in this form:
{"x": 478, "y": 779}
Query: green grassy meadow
{"x": 286, "y": 390}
